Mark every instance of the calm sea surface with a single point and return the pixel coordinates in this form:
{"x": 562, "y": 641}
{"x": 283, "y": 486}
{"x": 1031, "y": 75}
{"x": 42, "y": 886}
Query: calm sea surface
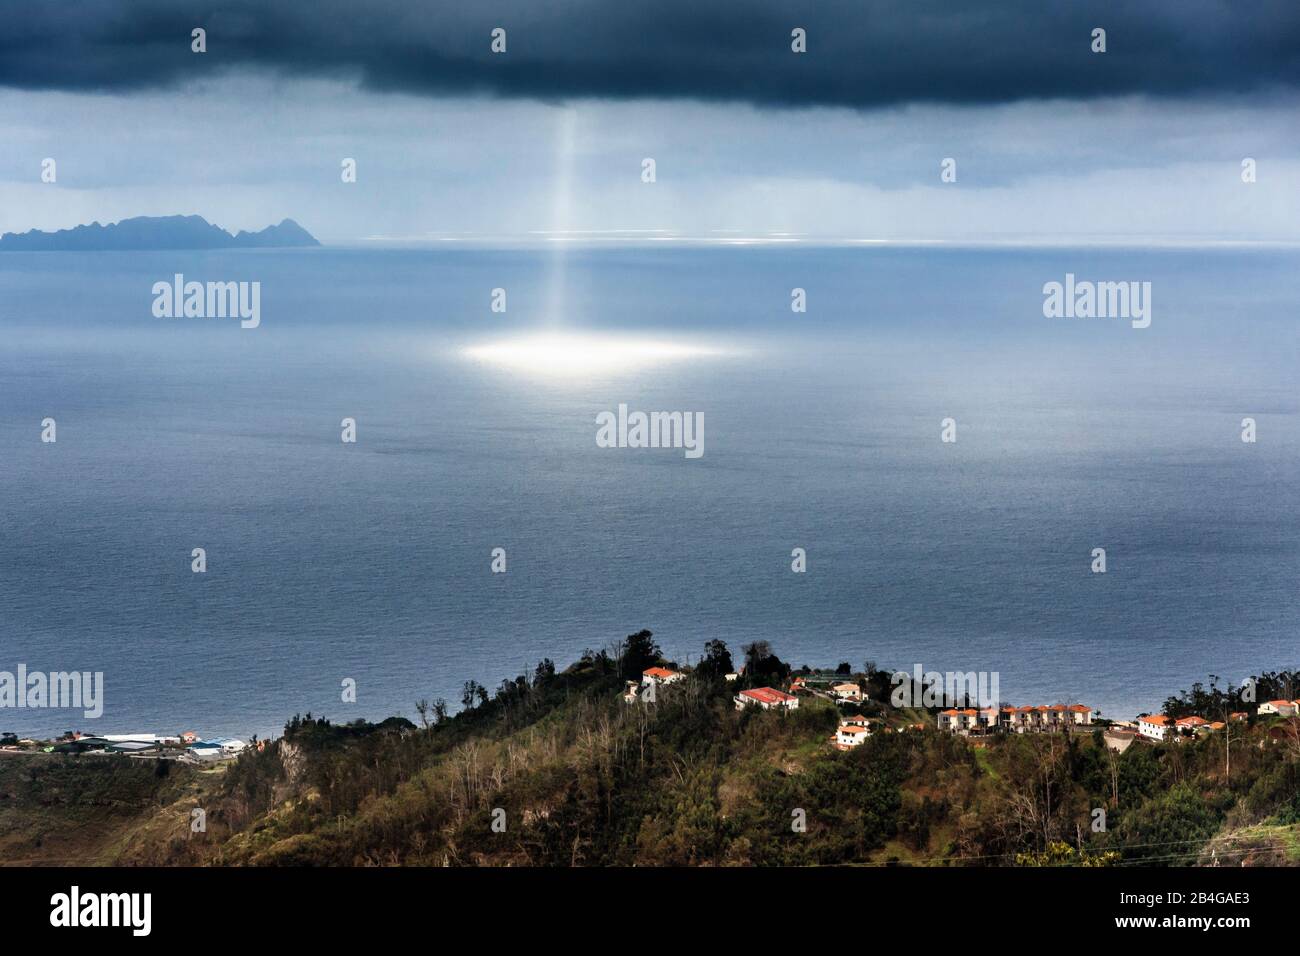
{"x": 371, "y": 561}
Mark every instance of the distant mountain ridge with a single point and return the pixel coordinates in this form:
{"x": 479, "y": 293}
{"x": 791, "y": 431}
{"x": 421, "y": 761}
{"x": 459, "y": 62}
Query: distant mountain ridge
{"x": 156, "y": 232}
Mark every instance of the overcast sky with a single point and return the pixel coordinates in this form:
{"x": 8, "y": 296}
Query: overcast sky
{"x": 1052, "y": 141}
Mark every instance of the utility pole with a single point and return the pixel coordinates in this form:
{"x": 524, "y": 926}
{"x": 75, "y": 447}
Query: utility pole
{"x": 1227, "y": 746}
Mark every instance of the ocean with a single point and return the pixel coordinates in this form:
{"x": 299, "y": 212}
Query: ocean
{"x": 371, "y": 561}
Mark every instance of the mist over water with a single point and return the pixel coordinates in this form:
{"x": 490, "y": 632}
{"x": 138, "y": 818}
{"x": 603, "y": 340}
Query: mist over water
{"x": 371, "y": 561}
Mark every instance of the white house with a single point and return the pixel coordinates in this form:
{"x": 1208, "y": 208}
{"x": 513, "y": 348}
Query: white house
{"x": 769, "y": 698}
{"x": 1082, "y": 713}
{"x": 660, "y": 675}
{"x": 968, "y": 720}
{"x": 847, "y": 691}
{"x": 850, "y": 735}
{"x": 1283, "y": 708}
{"x": 1153, "y": 726}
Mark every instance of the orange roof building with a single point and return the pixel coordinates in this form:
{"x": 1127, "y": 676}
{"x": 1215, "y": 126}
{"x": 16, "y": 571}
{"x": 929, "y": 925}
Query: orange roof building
{"x": 768, "y": 698}
{"x": 659, "y": 675}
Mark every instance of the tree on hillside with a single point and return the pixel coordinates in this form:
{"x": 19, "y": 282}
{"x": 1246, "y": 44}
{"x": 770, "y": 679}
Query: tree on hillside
{"x": 639, "y": 651}
{"x": 762, "y": 664}
{"x": 716, "y": 661}
{"x": 473, "y": 694}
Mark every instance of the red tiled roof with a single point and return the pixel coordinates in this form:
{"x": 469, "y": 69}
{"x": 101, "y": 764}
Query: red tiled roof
{"x": 766, "y": 695}
{"x": 658, "y": 672}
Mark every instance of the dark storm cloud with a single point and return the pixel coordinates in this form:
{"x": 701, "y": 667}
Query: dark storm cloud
{"x": 861, "y": 53}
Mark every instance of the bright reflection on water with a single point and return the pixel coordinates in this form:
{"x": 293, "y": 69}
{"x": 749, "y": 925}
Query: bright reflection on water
{"x": 572, "y": 356}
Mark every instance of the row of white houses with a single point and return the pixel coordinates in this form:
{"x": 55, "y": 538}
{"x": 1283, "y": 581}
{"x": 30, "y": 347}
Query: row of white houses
{"x": 1021, "y": 720}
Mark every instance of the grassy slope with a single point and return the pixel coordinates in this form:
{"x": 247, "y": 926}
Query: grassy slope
{"x": 57, "y": 810}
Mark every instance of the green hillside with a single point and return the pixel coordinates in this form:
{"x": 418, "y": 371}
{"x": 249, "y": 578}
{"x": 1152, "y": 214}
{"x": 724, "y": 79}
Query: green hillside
{"x": 556, "y": 769}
